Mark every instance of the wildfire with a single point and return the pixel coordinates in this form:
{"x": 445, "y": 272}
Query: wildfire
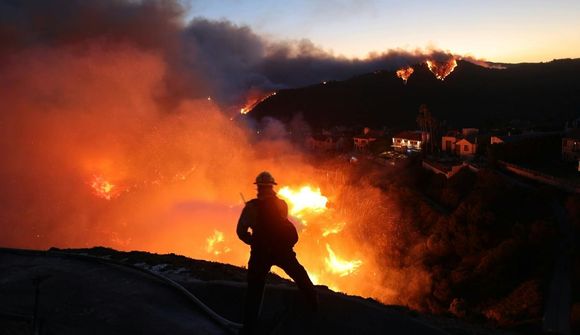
{"x": 104, "y": 189}
{"x": 405, "y": 73}
{"x": 213, "y": 243}
{"x": 253, "y": 101}
{"x": 305, "y": 200}
{"x": 441, "y": 69}
{"x": 340, "y": 266}
{"x": 332, "y": 230}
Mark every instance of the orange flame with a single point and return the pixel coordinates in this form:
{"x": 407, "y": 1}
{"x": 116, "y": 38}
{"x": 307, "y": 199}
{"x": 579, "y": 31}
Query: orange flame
{"x": 253, "y": 101}
{"x": 305, "y": 200}
{"x": 441, "y": 69}
{"x": 213, "y": 244}
{"x": 326, "y": 231}
{"x": 405, "y": 73}
{"x": 340, "y": 266}
{"x": 104, "y": 189}
{"x": 308, "y": 203}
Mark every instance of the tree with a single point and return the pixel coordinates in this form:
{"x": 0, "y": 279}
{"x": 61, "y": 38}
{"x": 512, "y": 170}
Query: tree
{"x": 427, "y": 123}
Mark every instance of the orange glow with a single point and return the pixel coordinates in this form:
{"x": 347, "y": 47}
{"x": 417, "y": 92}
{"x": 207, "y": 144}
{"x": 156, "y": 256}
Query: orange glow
{"x": 253, "y": 100}
{"x": 126, "y": 172}
{"x": 104, "y": 189}
{"x": 405, "y": 73}
{"x": 304, "y": 200}
{"x": 339, "y": 266}
{"x": 322, "y": 226}
{"x": 333, "y": 230}
{"x": 214, "y": 244}
{"x": 441, "y": 69}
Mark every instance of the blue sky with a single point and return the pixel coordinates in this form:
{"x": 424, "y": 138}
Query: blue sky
{"x": 508, "y": 31}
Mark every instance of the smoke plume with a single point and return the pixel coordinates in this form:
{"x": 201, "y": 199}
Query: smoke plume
{"x": 203, "y": 57}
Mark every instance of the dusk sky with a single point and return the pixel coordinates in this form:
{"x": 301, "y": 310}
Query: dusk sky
{"x": 500, "y": 31}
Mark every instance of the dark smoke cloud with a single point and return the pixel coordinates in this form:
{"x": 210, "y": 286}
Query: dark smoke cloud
{"x": 205, "y": 58}
{"x": 239, "y": 60}
{"x": 150, "y": 24}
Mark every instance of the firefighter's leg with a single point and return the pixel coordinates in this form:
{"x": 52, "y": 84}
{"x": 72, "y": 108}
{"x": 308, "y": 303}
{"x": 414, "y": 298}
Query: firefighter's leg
{"x": 296, "y": 271}
{"x": 258, "y": 267}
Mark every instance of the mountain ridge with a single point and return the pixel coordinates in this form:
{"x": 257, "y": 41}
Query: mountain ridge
{"x": 471, "y": 95}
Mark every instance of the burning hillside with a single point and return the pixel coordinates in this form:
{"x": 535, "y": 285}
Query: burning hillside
{"x": 253, "y": 99}
{"x": 441, "y": 69}
{"x": 405, "y": 73}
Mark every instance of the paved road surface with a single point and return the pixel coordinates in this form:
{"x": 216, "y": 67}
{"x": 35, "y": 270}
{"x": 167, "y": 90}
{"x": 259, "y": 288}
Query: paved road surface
{"x": 83, "y": 297}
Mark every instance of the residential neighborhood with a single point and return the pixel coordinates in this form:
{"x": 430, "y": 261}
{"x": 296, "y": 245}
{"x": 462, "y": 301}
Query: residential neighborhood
{"x": 447, "y": 151}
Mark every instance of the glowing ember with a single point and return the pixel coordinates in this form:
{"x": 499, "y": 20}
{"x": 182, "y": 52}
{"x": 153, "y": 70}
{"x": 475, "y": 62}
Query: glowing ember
{"x": 405, "y": 73}
{"x": 441, "y": 69}
{"x": 104, "y": 189}
{"x": 213, "y": 243}
{"x": 306, "y": 199}
{"x": 340, "y": 266}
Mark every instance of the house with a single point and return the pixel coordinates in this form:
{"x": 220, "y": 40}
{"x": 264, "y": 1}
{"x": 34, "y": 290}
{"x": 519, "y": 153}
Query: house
{"x": 571, "y": 146}
{"x": 497, "y": 139}
{"x": 410, "y": 141}
{"x": 466, "y": 146}
{"x": 362, "y": 141}
{"x": 448, "y": 141}
{"x": 463, "y": 144}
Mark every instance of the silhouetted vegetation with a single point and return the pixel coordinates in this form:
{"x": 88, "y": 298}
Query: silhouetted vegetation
{"x": 489, "y": 255}
{"x": 532, "y": 150}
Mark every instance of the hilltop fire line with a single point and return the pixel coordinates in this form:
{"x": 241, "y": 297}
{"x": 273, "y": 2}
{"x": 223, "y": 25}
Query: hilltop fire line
{"x": 440, "y": 69}
{"x": 253, "y": 101}
{"x": 405, "y": 73}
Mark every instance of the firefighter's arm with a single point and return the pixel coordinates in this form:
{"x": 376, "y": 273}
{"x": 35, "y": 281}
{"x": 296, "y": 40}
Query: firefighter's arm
{"x": 244, "y": 224}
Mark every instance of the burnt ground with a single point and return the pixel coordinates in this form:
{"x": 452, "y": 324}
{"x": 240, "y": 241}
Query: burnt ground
{"x": 101, "y": 290}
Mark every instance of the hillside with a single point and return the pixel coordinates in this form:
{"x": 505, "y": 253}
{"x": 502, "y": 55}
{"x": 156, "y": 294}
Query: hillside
{"x": 471, "y": 95}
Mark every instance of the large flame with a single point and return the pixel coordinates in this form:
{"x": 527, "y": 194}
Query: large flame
{"x": 441, "y": 69}
{"x": 309, "y": 205}
{"x": 405, "y": 73}
{"x": 304, "y": 200}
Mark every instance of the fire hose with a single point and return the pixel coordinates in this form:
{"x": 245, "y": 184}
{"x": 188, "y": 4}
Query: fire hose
{"x": 228, "y": 325}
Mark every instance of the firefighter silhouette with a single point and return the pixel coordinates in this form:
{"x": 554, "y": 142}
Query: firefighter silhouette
{"x": 271, "y": 239}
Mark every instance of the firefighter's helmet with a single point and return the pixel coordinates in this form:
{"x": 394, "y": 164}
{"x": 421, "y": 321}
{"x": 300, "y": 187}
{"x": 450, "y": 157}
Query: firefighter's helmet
{"x": 265, "y": 178}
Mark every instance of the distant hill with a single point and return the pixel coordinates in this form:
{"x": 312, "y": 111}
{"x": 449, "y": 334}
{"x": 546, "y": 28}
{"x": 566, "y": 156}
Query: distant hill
{"x": 472, "y": 95}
